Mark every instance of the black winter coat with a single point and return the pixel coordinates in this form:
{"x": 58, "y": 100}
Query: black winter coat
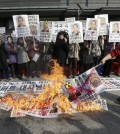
{"x": 85, "y": 57}
{"x": 61, "y": 51}
{"x": 3, "y": 57}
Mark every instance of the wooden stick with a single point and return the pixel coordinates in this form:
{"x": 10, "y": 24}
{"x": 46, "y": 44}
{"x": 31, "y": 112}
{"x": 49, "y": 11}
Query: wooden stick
{"x": 98, "y": 65}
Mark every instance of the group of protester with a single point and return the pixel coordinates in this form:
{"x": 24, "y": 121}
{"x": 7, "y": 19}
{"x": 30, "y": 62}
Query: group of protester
{"x": 25, "y": 54}
{"x": 34, "y": 56}
{"x": 82, "y": 56}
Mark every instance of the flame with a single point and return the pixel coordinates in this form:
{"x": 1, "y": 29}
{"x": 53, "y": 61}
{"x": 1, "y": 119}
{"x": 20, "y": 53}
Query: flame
{"x": 88, "y": 106}
{"x": 50, "y": 93}
{"x": 57, "y": 73}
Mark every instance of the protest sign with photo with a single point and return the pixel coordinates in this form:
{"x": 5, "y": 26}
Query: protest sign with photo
{"x": 70, "y": 20}
{"x": 75, "y": 32}
{"x": 21, "y": 25}
{"x": 114, "y": 33}
{"x": 58, "y": 26}
{"x": 92, "y": 29}
{"x": 45, "y": 31}
{"x": 34, "y": 25}
{"x": 103, "y": 23}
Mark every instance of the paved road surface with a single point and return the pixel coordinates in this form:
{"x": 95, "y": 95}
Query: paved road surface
{"x": 105, "y": 122}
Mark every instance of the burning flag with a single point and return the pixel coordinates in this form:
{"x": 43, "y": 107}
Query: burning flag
{"x": 53, "y": 98}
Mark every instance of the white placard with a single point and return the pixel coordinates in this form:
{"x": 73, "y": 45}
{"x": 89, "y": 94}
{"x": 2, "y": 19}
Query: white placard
{"x": 75, "y": 32}
{"x": 92, "y": 29}
{"x": 103, "y": 23}
{"x": 21, "y": 25}
{"x": 34, "y": 25}
{"x": 114, "y": 34}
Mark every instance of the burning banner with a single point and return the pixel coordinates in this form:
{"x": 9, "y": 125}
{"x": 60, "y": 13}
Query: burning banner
{"x": 58, "y": 95}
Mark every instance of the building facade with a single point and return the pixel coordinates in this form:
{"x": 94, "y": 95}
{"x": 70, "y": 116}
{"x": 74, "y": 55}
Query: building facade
{"x": 57, "y": 9}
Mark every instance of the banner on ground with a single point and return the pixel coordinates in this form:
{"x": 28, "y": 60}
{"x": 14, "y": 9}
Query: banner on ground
{"x": 114, "y": 33}
{"x": 33, "y": 86}
{"x": 34, "y": 25}
{"x": 21, "y": 25}
{"x": 75, "y": 32}
{"x": 92, "y": 29}
{"x": 45, "y": 31}
{"x": 111, "y": 84}
{"x": 84, "y": 86}
{"x": 103, "y": 23}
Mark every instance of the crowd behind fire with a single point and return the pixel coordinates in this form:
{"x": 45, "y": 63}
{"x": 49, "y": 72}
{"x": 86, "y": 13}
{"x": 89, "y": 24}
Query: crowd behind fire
{"x": 16, "y": 58}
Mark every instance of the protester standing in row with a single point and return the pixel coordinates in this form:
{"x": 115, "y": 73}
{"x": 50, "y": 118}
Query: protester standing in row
{"x": 96, "y": 52}
{"x": 11, "y": 49}
{"x": 22, "y": 56}
{"x": 73, "y": 57}
{"x": 86, "y": 56}
{"x": 34, "y": 52}
{"x": 61, "y": 49}
{"x": 3, "y": 61}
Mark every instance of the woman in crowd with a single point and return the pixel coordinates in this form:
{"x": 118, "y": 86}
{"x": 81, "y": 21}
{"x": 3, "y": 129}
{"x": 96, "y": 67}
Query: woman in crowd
{"x": 61, "y": 48}
{"x": 22, "y": 56}
{"x": 73, "y": 57}
{"x": 108, "y": 47}
{"x": 96, "y": 52}
{"x": 34, "y": 52}
{"x": 86, "y": 58}
{"x": 12, "y": 59}
{"x": 3, "y": 61}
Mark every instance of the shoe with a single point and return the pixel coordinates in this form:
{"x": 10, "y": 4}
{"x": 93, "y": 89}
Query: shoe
{"x": 20, "y": 77}
{"x": 10, "y": 78}
{"x": 14, "y": 76}
{"x": 32, "y": 76}
{"x": 118, "y": 99}
{"x": 103, "y": 75}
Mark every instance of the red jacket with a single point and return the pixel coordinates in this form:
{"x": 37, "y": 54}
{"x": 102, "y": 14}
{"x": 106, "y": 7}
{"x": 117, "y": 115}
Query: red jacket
{"x": 115, "y": 52}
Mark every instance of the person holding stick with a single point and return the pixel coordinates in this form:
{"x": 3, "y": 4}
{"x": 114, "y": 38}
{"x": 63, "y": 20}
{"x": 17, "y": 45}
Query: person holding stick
{"x": 112, "y": 54}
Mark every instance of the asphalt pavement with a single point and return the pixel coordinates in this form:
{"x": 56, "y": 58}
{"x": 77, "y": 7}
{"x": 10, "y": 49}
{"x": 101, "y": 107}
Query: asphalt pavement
{"x": 100, "y": 122}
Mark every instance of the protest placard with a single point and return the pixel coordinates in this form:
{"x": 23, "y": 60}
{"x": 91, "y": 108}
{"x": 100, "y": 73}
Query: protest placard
{"x": 21, "y": 25}
{"x": 58, "y": 26}
{"x": 114, "y": 33}
{"x": 103, "y": 23}
{"x": 92, "y": 29}
{"x": 75, "y": 32}
{"x": 34, "y": 25}
{"x": 2, "y": 30}
{"x": 45, "y": 31}
{"x": 70, "y": 20}
{"x": 83, "y": 25}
